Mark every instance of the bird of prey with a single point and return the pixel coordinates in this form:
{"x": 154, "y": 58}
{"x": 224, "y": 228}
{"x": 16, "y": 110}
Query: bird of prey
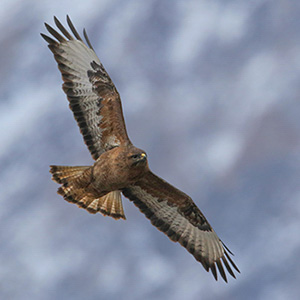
{"x": 120, "y": 167}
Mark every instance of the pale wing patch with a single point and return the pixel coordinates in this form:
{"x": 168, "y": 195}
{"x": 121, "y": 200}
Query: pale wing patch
{"x": 89, "y": 90}
{"x": 84, "y": 102}
{"x": 79, "y": 56}
{"x": 204, "y": 245}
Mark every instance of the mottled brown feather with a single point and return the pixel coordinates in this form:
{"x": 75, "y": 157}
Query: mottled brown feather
{"x": 93, "y": 98}
{"x": 175, "y": 214}
{"x": 96, "y": 105}
{"x": 75, "y": 180}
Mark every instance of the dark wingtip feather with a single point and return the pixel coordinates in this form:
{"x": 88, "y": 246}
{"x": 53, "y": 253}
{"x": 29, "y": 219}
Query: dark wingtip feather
{"x": 48, "y": 39}
{"x": 87, "y": 39}
{"x": 204, "y": 263}
{"x": 214, "y": 271}
{"x": 226, "y": 248}
{"x": 55, "y": 33}
{"x": 62, "y": 29}
{"x": 228, "y": 268}
{"x": 221, "y": 270}
{"x": 73, "y": 29}
{"x": 231, "y": 261}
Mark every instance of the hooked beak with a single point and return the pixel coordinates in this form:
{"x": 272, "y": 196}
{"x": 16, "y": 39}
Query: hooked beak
{"x": 141, "y": 159}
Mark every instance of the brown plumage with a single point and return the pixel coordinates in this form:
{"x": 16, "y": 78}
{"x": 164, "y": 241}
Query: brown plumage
{"x": 119, "y": 166}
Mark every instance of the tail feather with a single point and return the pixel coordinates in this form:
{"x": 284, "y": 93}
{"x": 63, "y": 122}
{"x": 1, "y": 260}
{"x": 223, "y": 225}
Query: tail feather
{"x": 61, "y": 174}
{"x": 75, "y": 182}
{"x": 111, "y": 204}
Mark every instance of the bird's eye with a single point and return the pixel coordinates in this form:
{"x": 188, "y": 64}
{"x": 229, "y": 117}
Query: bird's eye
{"x": 135, "y": 156}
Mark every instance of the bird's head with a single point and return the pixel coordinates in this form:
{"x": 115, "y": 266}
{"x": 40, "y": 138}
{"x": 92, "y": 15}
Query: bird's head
{"x": 137, "y": 157}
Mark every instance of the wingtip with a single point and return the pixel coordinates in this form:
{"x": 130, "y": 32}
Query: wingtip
{"x": 69, "y": 21}
{"x": 56, "y": 21}
{"x": 221, "y": 270}
{"x": 87, "y": 39}
{"x": 47, "y": 26}
{"x": 231, "y": 261}
{"x": 214, "y": 271}
{"x": 43, "y": 36}
{"x": 227, "y": 248}
{"x": 48, "y": 39}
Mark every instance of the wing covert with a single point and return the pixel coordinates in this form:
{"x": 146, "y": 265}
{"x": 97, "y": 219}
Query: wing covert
{"x": 175, "y": 214}
{"x": 94, "y": 100}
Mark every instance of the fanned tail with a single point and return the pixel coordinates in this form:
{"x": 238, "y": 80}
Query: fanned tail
{"x": 63, "y": 174}
{"x": 74, "y": 188}
{"x": 109, "y": 205}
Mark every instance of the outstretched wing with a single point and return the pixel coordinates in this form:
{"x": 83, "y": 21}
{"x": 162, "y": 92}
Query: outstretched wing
{"x": 175, "y": 214}
{"x": 93, "y": 98}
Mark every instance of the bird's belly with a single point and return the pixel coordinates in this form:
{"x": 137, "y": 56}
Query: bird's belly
{"x": 110, "y": 183}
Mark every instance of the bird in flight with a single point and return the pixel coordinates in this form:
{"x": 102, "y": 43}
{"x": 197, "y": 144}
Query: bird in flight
{"x": 120, "y": 167}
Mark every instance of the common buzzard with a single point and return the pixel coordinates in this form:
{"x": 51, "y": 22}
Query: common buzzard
{"x": 119, "y": 166}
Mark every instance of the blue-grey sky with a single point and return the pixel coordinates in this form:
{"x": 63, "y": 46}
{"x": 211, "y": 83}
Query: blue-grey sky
{"x": 210, "y": 89}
